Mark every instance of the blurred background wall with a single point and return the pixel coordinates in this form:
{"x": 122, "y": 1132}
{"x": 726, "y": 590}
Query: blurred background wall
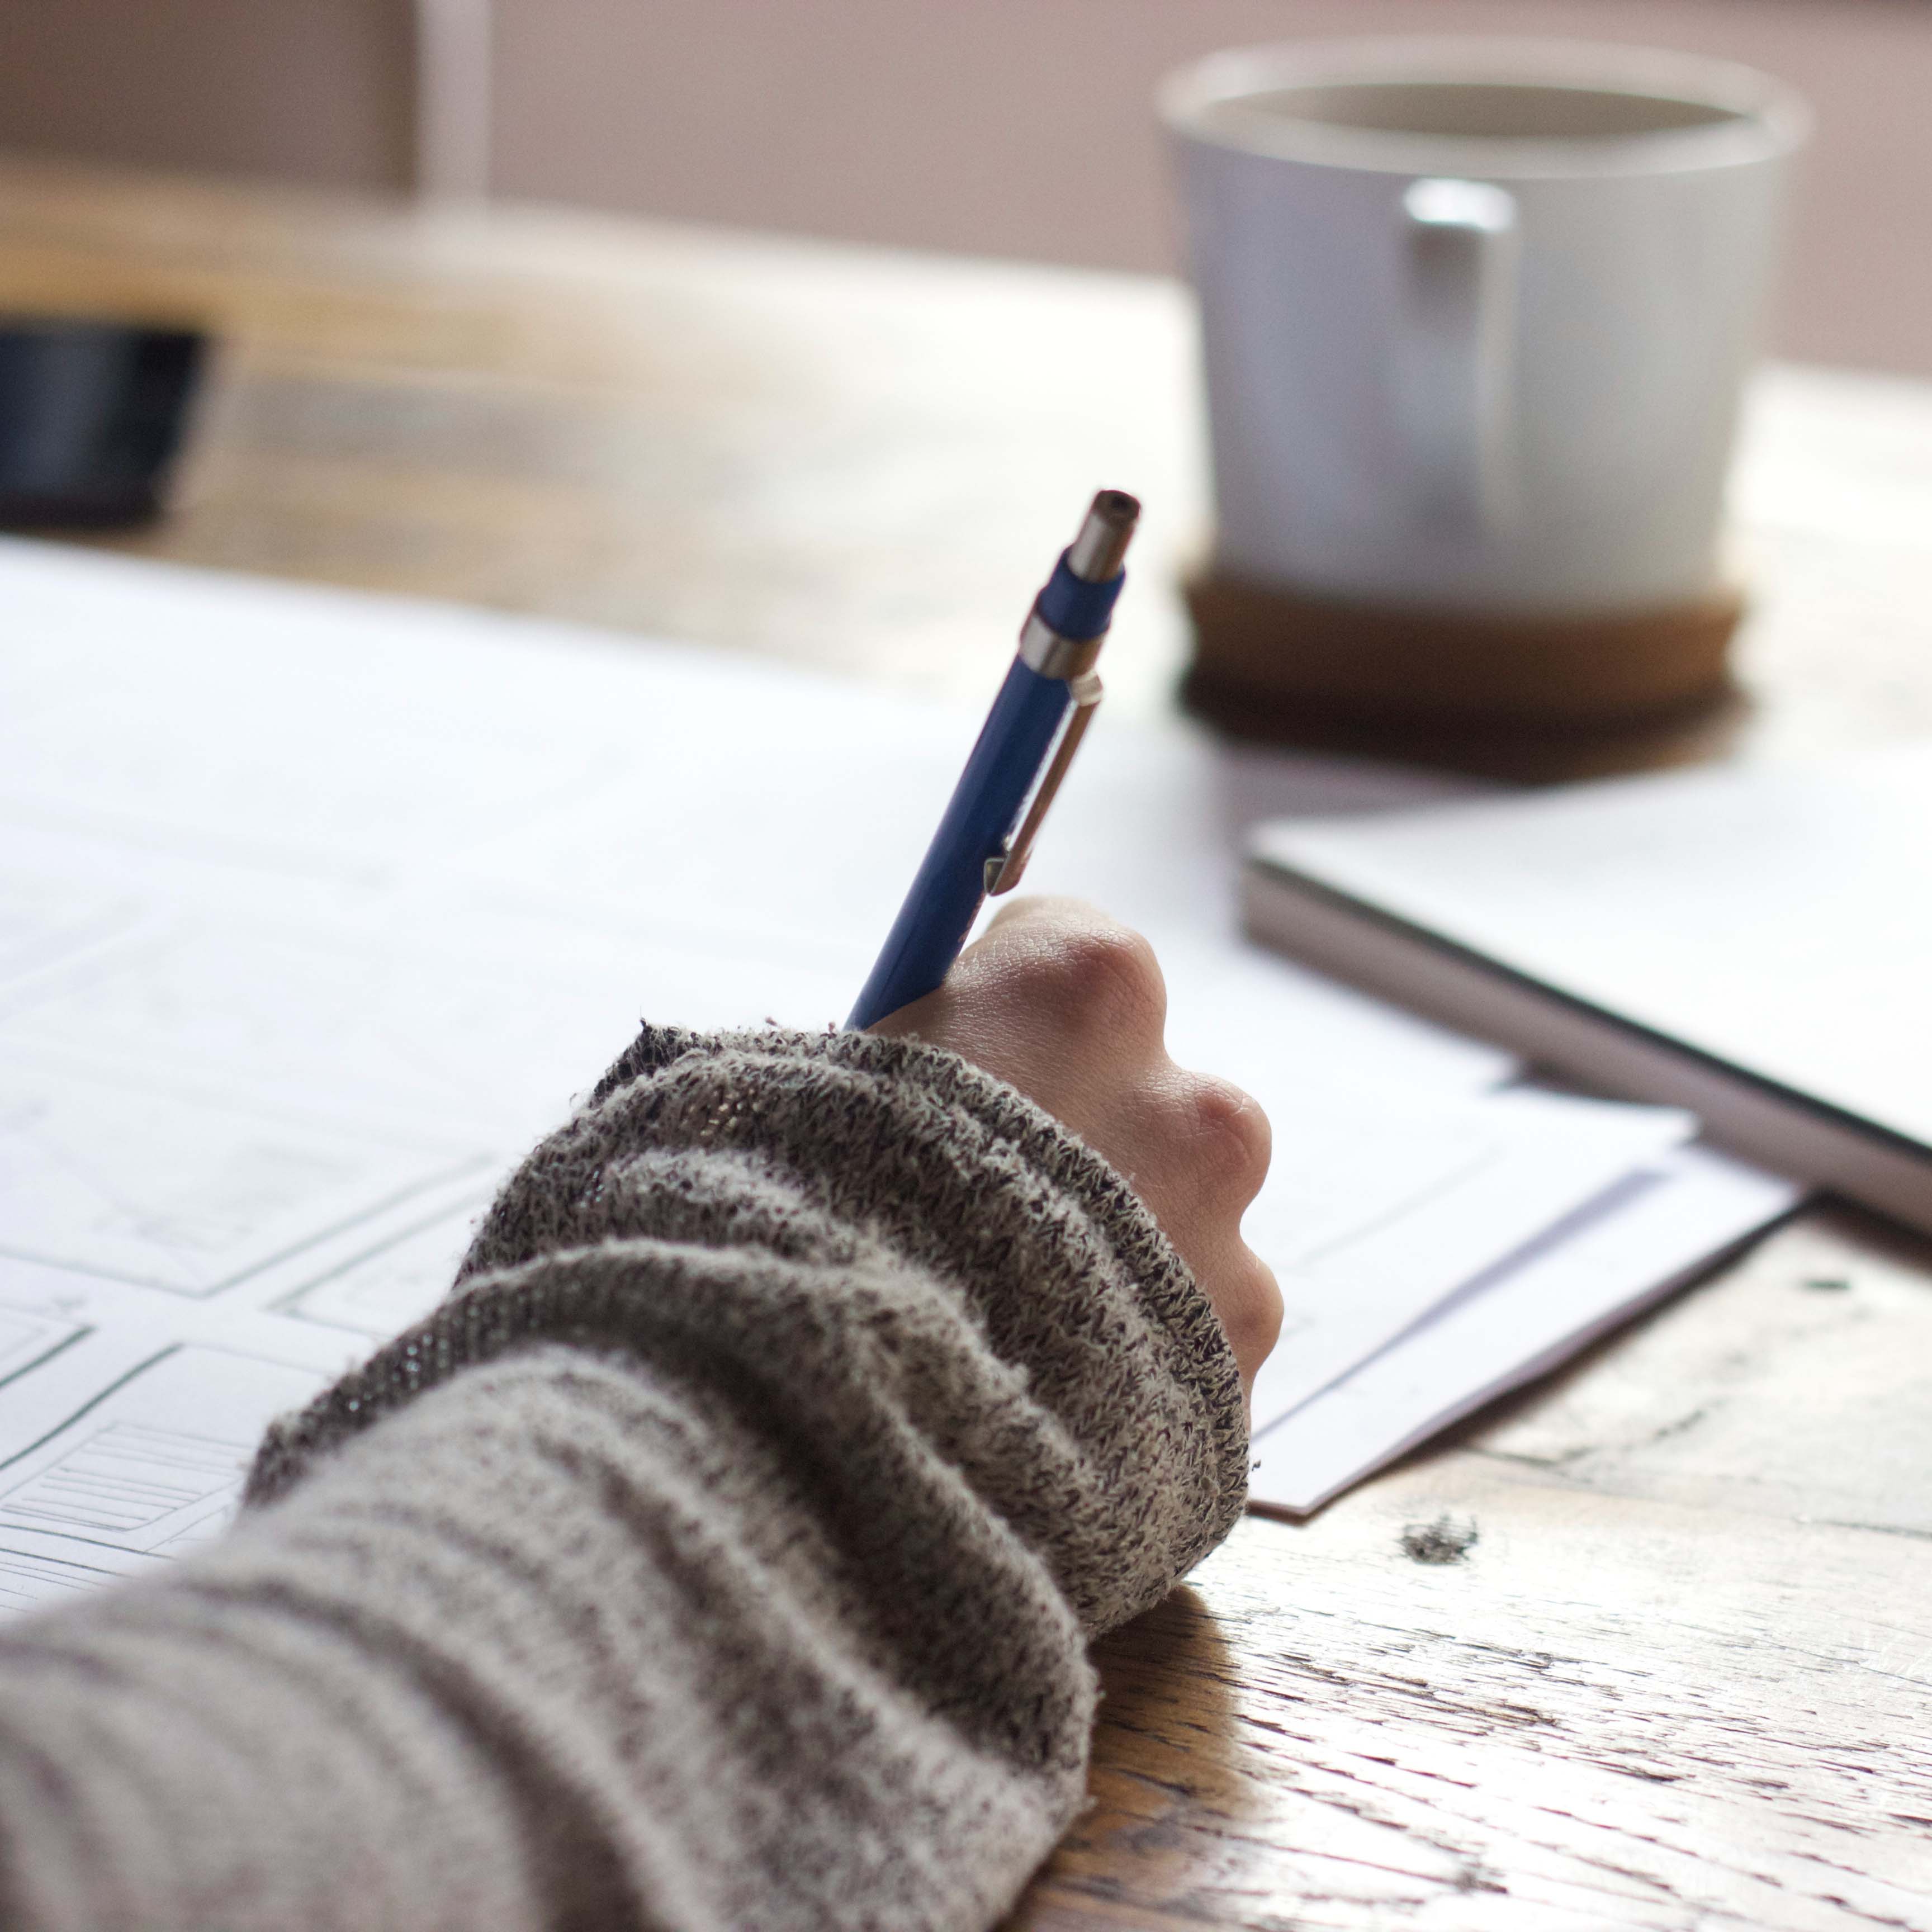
{"x": 1015, "y": 127}
{"x": 322, "y": 90}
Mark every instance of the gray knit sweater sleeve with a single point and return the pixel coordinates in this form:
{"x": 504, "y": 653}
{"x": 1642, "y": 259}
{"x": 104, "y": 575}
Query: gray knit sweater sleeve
{"x": 722, "y": 1553}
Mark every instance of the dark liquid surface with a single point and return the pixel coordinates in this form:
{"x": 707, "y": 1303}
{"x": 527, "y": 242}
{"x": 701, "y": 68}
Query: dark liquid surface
{"x": 1477, "y": 110}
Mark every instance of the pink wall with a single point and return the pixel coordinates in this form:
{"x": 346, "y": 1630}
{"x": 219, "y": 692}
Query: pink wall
{"x": 318, "y": 89}
{"x": 998, "y": 127}
{"x": 1022, "y": 128}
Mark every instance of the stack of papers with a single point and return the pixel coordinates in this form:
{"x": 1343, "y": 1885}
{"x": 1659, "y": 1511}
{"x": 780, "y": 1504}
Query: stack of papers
{"x": 1442, "y": 1232}
{"x": 316, "y": 910}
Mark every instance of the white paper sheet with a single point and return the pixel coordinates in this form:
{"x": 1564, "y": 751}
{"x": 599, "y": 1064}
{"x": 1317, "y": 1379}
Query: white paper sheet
{"x": 1379, "y": 1214}
{"x": 381, "y": 1278}
{"x": 1665, "y": 1224}
{"x": 184, "y": 1191}
{"x": 148, "y": 1466}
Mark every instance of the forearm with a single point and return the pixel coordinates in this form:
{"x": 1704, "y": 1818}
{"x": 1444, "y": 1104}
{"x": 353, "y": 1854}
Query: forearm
{"x": 722, "y": 1553}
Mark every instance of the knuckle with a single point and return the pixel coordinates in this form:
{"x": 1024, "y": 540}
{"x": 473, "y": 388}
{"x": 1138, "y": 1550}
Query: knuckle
{"x": 1106, "y": 977}
{"x": 1230, "y": 1136}
{"x": 1250, "y": 1308}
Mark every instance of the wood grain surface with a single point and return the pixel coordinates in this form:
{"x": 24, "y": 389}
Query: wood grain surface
{"x": 1679, "y": 1677}
{"x": 1649, "y": 1647}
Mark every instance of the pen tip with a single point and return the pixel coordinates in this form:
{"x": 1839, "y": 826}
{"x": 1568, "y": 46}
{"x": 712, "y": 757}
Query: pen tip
{"x": 1097, "y": 552}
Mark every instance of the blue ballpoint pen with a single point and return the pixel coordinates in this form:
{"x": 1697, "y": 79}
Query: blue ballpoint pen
{"x": 1023, "y": 749}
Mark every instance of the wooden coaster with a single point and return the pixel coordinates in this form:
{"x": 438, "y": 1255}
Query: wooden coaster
{"x": 1513, "y": 696}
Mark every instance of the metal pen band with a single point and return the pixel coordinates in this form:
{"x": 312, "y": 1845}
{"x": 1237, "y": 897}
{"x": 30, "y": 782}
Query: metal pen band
{"x": 1042, "y": 649}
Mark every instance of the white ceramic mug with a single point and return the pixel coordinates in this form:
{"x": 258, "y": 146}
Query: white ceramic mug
{"x": 1476, "y": 314}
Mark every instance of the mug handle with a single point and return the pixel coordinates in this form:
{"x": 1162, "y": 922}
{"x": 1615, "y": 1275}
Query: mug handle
{"x": 1457, "y": 348}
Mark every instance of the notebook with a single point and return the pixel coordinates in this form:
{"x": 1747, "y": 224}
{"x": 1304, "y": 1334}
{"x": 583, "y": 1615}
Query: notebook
{"x": 1754, "y": 945}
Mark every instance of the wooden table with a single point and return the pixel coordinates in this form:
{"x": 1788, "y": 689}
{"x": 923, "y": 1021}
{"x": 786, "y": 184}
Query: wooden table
{"x": 1681, "y": 1674}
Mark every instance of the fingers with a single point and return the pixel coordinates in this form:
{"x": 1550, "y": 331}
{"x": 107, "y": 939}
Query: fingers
{"x": 1070, "y": 1007}
{"x": 1228, "y": 1138}
{"x": 1210, "y": 1145}
{"x": 1086, "y": 974}
{"x": 1057, "y": 1000}
{"x": 1247, "y": 1298}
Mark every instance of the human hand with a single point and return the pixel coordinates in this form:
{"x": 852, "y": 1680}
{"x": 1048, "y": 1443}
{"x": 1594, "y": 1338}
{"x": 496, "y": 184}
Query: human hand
{"x": 1068, "y": 1006}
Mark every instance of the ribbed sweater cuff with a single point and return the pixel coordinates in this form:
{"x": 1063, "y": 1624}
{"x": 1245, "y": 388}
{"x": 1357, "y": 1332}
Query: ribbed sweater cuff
{"x": 1118, "y": 1447}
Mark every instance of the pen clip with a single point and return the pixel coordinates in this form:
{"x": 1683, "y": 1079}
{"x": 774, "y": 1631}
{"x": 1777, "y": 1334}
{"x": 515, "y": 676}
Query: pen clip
{"x": 1003, "y": 870}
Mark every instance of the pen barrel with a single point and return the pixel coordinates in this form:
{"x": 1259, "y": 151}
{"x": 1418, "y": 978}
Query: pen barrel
{"x": 946, "y": 895}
